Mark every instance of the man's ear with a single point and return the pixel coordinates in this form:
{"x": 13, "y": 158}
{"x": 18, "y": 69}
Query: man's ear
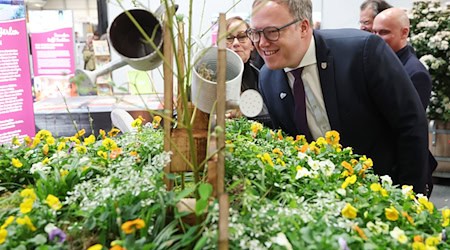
{"x": 405, "y": 32}
{"x": 305, "y": 26}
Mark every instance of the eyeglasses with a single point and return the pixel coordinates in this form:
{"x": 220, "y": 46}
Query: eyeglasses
{"x": 270, "y": 33}
{"x": 241, "y": 36}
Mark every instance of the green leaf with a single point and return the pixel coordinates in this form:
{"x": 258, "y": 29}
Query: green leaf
{"x": 39, "y": 239}
{"x": 184, "y": 193}
{"x": 200, "y": 206}
{"x": 205, "y": 190}
{"x": 200, "y": 243}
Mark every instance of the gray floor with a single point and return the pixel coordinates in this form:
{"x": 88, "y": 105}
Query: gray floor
{"x": 441, "y": 193}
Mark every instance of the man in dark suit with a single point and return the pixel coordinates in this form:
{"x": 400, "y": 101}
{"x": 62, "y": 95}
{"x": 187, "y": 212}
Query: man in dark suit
{"x": 393, "y": 26}
{"x": 353, "y": 83}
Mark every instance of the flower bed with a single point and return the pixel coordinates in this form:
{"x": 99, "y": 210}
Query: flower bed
{"x": 107, "y": 192}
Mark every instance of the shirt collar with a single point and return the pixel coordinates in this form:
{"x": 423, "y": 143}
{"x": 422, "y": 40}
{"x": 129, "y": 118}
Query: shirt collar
{"x": 309, "y": 58}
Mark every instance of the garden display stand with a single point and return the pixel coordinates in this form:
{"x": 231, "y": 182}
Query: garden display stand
{"x": 189, "y": 144}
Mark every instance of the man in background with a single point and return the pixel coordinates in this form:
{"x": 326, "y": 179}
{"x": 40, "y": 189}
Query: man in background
{"x": 369, "y": 9}
{"x": 393, "y": 26}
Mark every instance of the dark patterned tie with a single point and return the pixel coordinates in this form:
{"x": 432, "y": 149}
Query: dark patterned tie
{"x": 300, "y": 107}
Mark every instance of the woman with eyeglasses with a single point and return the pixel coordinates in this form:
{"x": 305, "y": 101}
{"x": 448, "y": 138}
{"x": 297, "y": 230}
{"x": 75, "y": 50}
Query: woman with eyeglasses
{"x": 238, "y": 41}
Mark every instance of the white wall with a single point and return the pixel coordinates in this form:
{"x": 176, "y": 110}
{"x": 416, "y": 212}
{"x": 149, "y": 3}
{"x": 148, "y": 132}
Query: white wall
{"x": 345, "y": 14}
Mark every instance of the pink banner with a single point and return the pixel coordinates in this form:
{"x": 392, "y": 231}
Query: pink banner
{"x": 53, "y": 52}
{"x": 16, "y": 100}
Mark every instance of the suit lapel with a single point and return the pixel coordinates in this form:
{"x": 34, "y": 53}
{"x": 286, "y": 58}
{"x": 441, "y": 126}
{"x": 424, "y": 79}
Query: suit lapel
{"x": 325, "y": 65}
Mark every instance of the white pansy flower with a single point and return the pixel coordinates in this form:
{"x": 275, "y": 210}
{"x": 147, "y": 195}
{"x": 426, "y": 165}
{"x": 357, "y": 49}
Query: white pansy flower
{"x": 282, "y": 240}
{"x": 315, "y": 165}
{"x": 386, "y": 180}
{"x": 302, "y": 172}
{"x": 399, "y": 235}
{"x": 327, "y": 167}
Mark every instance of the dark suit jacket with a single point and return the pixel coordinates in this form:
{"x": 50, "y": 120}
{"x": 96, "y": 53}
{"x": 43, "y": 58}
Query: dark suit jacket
{"x": 418, "y": 74}
{"x": 369, "y": 99}
{"x": 421, "y": 80}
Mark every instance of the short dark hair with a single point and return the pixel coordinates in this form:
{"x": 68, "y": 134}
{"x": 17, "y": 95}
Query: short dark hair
{"x": 377, "y": 6}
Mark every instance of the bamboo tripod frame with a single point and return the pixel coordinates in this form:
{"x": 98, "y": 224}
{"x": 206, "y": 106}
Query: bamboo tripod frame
{"x": 171, "y": 136}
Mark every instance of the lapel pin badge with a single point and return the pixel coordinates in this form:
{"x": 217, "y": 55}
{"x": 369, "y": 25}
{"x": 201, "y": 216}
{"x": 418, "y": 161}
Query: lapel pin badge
{"x": 282, "y": 95}
{"x": 323, "y": 65}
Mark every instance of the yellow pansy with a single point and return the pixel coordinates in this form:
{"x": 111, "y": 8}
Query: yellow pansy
{"x": 384, "y": 192}
{"x": 36, "y": 141}
{"x": 391, "y": 213}
{"x": 349, "y": 180}
{"x": 80, "y": 133}
{"x": 277, "y": 151}
{"x": 63, "y": 172}
{"x": 375, "y": 187}
{"x": 45, "y": 149}
{"x": 81, "y": 149}
{"x": 102, "y": 133}
{"x": 75, "y": 139}
{"x": 408, "y": 217}
{"x": 113, "y": 132}
{"x": 15, "y": 141}
{"x": 8, "y": 222}
{"x": 256, "y": 127}
{"x": 348, "y": 167}
{"x": 349, "y": 211}
{"x": 109, "y": 144}
{"x": 96, "y": 247}
{"x": 28, "y": 193}
{"x": 131, "y": 226}
{"x": 266, "y": 158}
{"x": 45, "y": 161}
{"x": 89, "y": 140}
{"x": 156, "y": 121}
{"x": 50, "y": 140}
{"x": 446, "y": 217}
{"x": 53, "y": 202}
{"x": 26, "y": 221}
{"x": 102, "y": 154}
{"x": 332, "y": 137}
{"x": 16, "y": 163}
{"x": 137, "y": 123}
{"x": 3, "y": 235}
{"x": 321, "y": 141}
{"x": 27, "y": 140}
{"x": 432, "y": 241}
{"x": 26, "y": 206}
{"x": 418, "y": 246}
{"x": 61, "y": 146}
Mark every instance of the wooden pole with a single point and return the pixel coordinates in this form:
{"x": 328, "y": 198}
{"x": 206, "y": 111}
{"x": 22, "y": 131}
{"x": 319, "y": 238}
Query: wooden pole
{"x": 221, "y": 98}
{"x": 168, "y": 90}
{"x": 181, "y": 77}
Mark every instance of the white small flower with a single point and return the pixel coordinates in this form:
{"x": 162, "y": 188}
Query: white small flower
{"x": 315, "y": 165}
{"x": 386, "y": 180}
{"x": 302, "y": 172}
{"x": 282, "y": 240}
{"x": 399, "y": 235}
{"x": 302, "y": 156}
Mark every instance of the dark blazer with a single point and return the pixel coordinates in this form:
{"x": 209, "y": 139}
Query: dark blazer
{"x": 421, "y": 80}
{"x": 418, "y": 74}
{"x": 369, "y": 99}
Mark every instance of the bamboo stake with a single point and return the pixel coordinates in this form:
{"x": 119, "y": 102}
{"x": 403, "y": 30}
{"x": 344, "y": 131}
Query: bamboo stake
{"x": 168, "y": 91}
{"x": 223, "y": 221}
{"x": 221, "y": 98}
{"x": 181, "y": 76}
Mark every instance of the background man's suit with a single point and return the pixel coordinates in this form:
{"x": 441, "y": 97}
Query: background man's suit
{"x": 369, "y": 99}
